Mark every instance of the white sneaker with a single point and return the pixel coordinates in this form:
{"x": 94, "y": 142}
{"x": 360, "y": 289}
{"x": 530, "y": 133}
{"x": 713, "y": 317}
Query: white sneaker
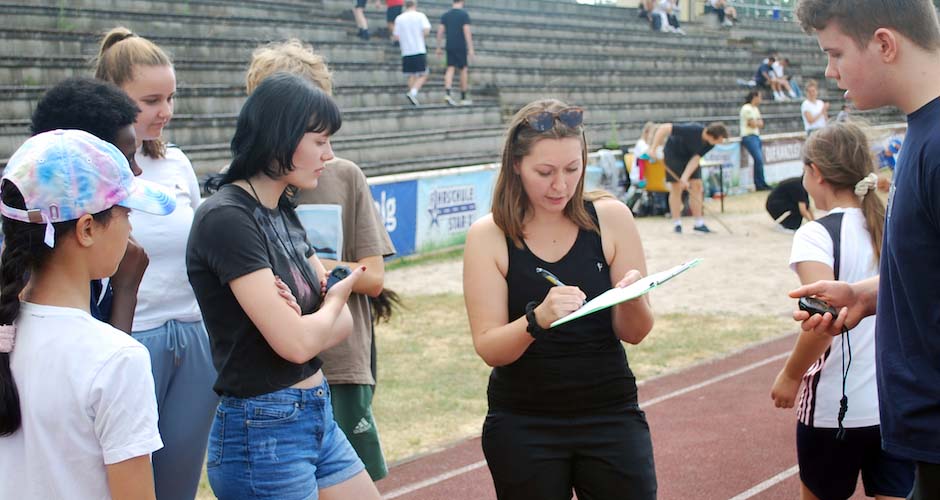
{"x": 413, "y": 99}
{"x": 450, "y": 100}
{"x": 727, "y": 23}
{"x": 781, "y": 229}
{"x": 792, "y": 94}
{"x": 466, "y": 102}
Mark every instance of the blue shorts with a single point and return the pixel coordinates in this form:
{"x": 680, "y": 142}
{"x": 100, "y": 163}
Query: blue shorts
{"x": 829, "y": 466}
{"x": 391, "y": 13}
{"x": 282, "y": 445}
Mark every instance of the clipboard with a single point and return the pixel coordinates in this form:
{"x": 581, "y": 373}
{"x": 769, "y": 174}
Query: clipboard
{"x": 616, "y": 295}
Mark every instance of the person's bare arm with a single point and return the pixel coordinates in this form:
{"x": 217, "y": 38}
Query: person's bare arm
{"x": 690, "y": 169}
{"x": 810, "y": 346}
{"x": 631, "y": 320}
{"x": 498, "y": 339}
{"x": 295, "y": 338}
{"x": 124, "y": 286}
{"x": 468, "y": 36}
{"x": 131, "y": 479}
{"x": 440, "y": 39}
{"x": 659, "y": 139}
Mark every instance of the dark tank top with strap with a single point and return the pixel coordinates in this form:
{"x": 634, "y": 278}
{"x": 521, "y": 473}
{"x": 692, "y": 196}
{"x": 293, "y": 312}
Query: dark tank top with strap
{"x": 576, "y": 368}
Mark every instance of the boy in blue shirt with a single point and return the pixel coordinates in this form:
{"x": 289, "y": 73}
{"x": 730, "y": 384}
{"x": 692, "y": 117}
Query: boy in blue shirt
{"x": 887, "y": 53}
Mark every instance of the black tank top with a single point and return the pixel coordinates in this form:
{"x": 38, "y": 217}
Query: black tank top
{"x": 577, "y": 367}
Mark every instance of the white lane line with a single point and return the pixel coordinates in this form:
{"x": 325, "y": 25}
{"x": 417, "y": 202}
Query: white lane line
{"x": 713, "y": 380}
{"x": 404, "y": 490}
{"x": 431, "y": 481}
{"x": 783, "y": 476}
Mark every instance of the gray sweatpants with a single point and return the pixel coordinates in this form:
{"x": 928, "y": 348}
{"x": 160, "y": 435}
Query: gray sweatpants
{"x": 183, "y": 376}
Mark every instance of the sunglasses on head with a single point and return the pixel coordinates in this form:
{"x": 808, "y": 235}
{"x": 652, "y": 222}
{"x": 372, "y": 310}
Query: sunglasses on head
{"x": 544, "y": 121}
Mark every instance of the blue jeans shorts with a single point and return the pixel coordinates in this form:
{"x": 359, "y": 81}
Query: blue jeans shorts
{"x": 282, "y": 445}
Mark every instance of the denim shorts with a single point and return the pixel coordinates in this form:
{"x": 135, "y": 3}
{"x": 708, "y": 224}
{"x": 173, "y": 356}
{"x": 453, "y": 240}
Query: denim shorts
{"x": 282, "y": 445}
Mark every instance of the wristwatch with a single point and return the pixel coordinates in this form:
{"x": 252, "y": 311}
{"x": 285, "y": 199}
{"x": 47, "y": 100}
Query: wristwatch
{"x": 533, "y": 327}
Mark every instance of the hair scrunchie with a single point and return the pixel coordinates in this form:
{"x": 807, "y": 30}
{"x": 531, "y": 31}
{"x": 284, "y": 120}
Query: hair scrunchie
{"x": 868, "y": 183}
{"x": 7, "y": 336}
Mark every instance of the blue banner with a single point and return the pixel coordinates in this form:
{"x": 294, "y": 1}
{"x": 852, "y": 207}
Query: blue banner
{"x": 447, "y": 205}
{"x": 396, "y": 203}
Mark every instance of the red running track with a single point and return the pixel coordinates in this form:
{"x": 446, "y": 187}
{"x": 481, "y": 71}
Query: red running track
{"x": 716, "y": 435}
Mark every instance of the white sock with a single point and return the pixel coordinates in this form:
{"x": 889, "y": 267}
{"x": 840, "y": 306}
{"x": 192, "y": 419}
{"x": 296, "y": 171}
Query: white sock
{"x": 677, "y": 222}
{"x": 413, "y": 92}
{"x": 699, "y": 222}
{"x": 792, "y": 93}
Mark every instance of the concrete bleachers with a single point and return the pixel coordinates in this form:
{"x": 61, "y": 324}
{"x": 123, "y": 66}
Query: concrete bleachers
{"x": 602, "y": 58}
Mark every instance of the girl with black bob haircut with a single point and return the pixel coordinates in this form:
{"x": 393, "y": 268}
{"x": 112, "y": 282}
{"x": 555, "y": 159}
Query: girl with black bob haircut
{"x": 265, "y": 143}
{"x": 262, "y": 292}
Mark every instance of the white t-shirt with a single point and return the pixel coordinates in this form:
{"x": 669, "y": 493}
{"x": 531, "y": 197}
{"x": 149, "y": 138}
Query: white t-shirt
{"x": 778, "y": 68}
{"x": 410, "y": 27}
{"x": 814, "y": 108}
{"x": 819, "y": 402}
{"x": 87, "y": 400}
{"x": 165, "y": 292}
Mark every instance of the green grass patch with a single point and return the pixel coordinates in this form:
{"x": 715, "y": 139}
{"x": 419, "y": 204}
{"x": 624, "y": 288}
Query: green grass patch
{"x": 448, "y": 254}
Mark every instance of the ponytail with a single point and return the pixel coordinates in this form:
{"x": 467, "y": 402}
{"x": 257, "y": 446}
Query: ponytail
{"x": 874, "y": 211}
{"x": 24, "y": 252}
{"x": 120, "y": 51}
{"x": 840, "y": 151}
{"x": 384, "y": 305}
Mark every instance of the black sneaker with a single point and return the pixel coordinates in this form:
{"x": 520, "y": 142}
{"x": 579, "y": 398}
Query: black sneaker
{"x": 702, "y": 229}
{"x": 363, "y": 34}
{"x": 677, "y": 229}
{"x": 412, "y": 99}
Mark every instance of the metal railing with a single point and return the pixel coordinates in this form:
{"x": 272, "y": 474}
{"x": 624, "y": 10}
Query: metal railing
{"x": 766, "y": 9}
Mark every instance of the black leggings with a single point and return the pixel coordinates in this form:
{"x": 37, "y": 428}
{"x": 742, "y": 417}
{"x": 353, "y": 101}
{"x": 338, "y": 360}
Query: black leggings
{"x": 599, "y": 456}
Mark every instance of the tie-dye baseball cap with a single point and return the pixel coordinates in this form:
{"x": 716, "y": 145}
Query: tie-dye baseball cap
{"x": 65, "y": 174}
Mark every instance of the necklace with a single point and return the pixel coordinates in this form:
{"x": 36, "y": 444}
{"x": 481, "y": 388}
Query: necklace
{"x": 289, "y": 250}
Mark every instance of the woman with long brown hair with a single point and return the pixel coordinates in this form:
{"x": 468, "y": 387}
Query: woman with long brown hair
{"x": 563, "y": 411}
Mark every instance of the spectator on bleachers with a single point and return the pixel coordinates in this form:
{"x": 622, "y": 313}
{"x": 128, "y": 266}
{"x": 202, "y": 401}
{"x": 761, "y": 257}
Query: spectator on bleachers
{"x": 751, "y": 123}
{"x": 359, "y": 13}
{"x": 685, "y": 145}
{"x": 411, "y": 28}
{"x": 646, "y": 9}
{"x": 665, "y": 17}
{"x": 782, "y": 73}
{"x": 844, "y": 113}
{"x": 392, "y": 11}
{"x": 724, "y": 10}
{"x": 766, "y": 77}
{"x": 455, "y": 25}
{"x": 815, "y": 111}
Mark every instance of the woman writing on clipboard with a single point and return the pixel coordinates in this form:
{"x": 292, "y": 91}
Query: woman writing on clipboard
{"x": 563, "y": 410}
